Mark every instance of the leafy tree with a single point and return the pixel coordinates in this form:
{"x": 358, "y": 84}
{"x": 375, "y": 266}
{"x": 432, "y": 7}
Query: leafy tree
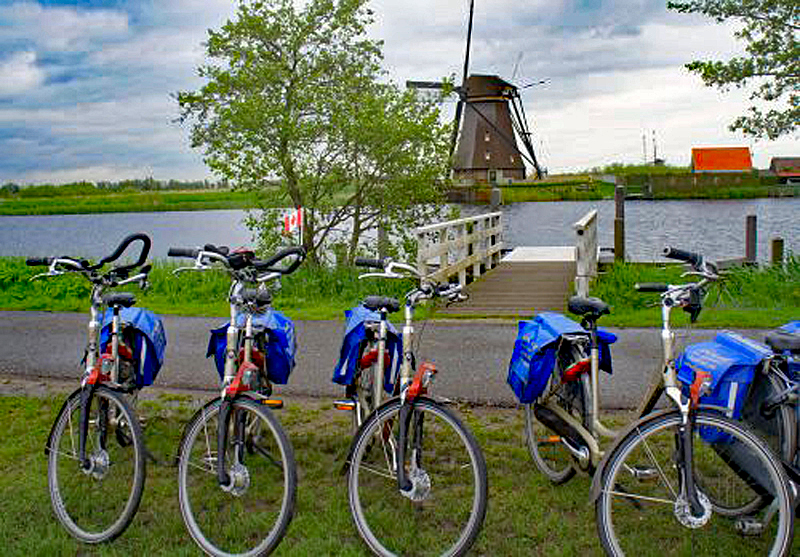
{"x": 295, "y": 105}
{"x": 769, "y": 29}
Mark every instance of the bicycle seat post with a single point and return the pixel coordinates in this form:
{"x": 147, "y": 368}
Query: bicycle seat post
{"x": 380, "y": 371}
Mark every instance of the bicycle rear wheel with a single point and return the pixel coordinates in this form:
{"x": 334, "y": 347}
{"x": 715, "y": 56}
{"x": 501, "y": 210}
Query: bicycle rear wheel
{"x": 443, "y": 513}
{"x": 546, "y": 447}
{"x": 641, "y": 508}
{"x": 250, "y": 516}
{"x": 96, "y": 503}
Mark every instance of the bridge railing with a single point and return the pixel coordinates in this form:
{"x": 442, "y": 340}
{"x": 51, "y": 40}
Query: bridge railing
{"x": 586, "y": 250}
{"x": 450, "y": 249}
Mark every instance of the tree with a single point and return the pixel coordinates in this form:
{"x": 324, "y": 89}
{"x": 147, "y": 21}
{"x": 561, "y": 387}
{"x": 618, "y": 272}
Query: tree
{"x": 769, "y": 29}
{"x": 296, "y": 106}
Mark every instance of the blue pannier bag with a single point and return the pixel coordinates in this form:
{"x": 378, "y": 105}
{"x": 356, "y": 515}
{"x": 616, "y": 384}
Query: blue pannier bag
{"x": 534, "y": 357}
{"x": 281, "y": 348}
{"x": 794, "y": 361}
{"x": 149, "y": 341}
{"x": 355, "y": 333}
{"x": 731, "y": 361}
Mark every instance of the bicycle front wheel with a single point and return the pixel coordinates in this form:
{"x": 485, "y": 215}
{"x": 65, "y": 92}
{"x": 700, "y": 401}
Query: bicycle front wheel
{"x": 642, "y": 507}
{"x": 444, "y": 511}
{"x": 250, "y": 515}
{"x": 96, "y": 501}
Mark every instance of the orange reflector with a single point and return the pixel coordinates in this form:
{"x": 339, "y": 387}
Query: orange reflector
{"x": 552, "y": 439}
{"x": 272, "y": 403}
{"x": 344, "y": 404}
{"x": 574, "y": 371}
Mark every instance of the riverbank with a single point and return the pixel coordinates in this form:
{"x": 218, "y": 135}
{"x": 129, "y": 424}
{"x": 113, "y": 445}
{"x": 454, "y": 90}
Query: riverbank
{"x": 749, "y": 297}
{"x": 51, "y": 200}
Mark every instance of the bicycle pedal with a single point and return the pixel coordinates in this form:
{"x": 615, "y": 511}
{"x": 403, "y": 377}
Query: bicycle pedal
{"x": 748, "y": 526}
{"x": 274, "y": 403}
{"x": 344, "y": 404}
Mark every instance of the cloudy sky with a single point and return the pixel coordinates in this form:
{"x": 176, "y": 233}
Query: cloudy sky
{"x": 85, "y": 85}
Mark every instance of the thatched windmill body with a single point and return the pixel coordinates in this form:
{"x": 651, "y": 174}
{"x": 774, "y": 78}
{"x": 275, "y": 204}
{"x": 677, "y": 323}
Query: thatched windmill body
{"x": 490, "y": 124}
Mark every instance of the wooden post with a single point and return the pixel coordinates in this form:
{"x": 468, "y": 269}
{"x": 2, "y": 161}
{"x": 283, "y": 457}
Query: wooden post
{"x": 776, "y": 251}
{"x": 750, "y": 238}
{"x": 619, "y": 223}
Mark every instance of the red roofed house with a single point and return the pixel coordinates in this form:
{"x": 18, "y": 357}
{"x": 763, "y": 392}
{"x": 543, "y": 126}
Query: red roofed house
{"x": 721, "y": 159}
{"x": 787, "y": 169}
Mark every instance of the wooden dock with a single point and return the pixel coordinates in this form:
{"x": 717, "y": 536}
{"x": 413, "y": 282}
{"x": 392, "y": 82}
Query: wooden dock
{"x": 528, "y": 280}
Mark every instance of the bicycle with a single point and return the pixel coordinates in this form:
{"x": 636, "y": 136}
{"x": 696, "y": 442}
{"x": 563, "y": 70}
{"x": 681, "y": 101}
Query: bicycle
{"x": 237, "y": 478}
{"x": 416, "y": 477}
{"x": 96, "y": 451}
{"x": 677, "y": 474}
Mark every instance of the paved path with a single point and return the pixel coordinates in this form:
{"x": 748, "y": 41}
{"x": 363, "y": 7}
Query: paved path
{"x": 472, "y": 356}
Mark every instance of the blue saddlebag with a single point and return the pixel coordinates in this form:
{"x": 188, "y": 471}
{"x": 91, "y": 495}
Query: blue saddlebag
{"x": 794, "y": 361}
{"x": 355, "y": 333}
{"x": 281, "y": 348}
{"x": 534, "y": 356}
{"x": 731, "y": 360}
{"x": 149, "y": 341}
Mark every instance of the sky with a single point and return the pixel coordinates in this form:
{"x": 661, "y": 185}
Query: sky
{"x": 87, "y": 86}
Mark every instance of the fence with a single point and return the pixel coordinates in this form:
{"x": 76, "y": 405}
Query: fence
{"x": 585, "y": 252}
{"x": 453, "y": 248}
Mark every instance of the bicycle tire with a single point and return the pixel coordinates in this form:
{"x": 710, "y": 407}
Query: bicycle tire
{"x": 216, "y": 518}
{"x": 549, "y": 454}
{"x": 655, "y": 518}
{"x": 115, "y": 449}
{"x": 450, "y": 487}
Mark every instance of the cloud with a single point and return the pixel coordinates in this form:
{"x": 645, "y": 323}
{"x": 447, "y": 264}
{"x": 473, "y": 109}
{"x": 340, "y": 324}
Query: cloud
{"x": 19, "y": 73}
{"x": 60, "y": 28}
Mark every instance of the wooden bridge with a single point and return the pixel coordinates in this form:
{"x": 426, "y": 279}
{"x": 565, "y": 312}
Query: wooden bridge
{"x": 506, "y": 283}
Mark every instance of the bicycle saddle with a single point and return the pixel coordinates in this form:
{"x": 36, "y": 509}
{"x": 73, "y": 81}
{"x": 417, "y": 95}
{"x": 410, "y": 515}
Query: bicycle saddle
{"x": 591, "y": 308}
{"x": 124, "y": 299}
{"x": 781, "y": 341}
{"x": 375, "y": 303}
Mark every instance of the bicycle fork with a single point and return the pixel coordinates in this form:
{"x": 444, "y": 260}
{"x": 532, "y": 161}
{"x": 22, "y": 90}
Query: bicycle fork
{"x": 414, "y": 483}
{"x": 238, "y": 480}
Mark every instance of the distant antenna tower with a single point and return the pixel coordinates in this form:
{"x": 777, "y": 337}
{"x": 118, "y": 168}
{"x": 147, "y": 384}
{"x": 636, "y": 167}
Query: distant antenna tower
{"x": 644, "y": 148}
{"x": 655, "y": 152}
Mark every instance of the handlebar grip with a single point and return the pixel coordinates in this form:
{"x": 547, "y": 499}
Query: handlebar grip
{"x": 651, "y": 287}
{"x": 266, "y": 265}
{"x": 37, "y": 261}
{"x": 183, "y": 252}
{"x": 683, "y": 255}
{"x": 366, "y": 262}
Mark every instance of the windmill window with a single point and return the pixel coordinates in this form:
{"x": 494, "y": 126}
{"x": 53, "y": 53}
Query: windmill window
{"x": 488, "y": 155}
{"x": 487, "y": 138}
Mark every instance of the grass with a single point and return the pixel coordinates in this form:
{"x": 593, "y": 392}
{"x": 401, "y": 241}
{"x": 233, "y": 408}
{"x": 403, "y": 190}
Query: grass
{"x": 129, "y": 202}
{"x": 526, "y": 514}
{"x": 306, "y": 294}
{"x": 748, "y": 297}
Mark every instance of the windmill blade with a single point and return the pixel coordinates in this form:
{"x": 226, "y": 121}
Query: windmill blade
{"x": 462, "y": 91}
{"x": 424, "y": 84}
{"x": 456, "y": 125}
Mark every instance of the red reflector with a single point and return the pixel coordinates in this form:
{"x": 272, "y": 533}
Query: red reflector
{"x": 574, "y": 371}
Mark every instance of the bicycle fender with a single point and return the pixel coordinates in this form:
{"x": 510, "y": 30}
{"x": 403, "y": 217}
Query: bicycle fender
{"x": 594, "y": 492}
{"x": 58, "y": 416}
{"x": 346, "y": 465}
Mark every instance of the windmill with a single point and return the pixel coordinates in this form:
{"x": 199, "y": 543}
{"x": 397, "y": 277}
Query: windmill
{"x": 484, "y": 147}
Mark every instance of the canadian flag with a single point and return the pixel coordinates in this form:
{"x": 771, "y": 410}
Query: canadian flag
{"x": 293, "y": 220}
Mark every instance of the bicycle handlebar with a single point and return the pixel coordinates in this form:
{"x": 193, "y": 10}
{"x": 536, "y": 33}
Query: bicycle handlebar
{"x": 651, "y": 287}
{"x": 267, "y": 265}
{"x": 373, "y": 263}
{"x": 123, "y": 245}
{"x": 242, "y": 259}
{"x": 39, "y": 261}
{"x": 183, "y": 252}
{"x": 694, "y": 259}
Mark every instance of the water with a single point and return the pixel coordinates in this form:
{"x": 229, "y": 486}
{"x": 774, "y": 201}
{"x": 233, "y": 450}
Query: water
{"x": 715, "y": 228}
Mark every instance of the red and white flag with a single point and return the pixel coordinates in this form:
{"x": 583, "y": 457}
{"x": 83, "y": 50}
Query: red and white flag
{"x": 293, "y": 221}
